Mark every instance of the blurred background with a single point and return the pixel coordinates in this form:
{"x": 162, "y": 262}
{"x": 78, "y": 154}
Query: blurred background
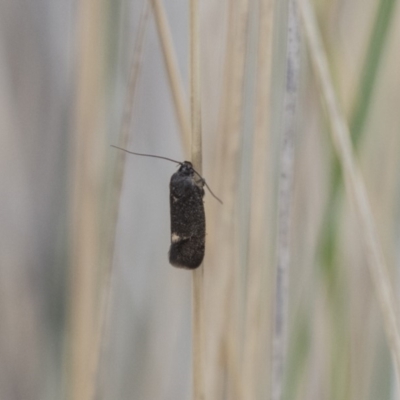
{"x": 88, "y": 302}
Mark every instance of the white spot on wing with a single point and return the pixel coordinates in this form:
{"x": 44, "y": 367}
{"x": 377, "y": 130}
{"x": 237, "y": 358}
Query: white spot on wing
{"x": 175, "y": 238}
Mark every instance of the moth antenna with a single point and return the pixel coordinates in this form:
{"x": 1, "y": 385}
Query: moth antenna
{"x": 208, "y": 187}
{"x": 168, "y": 159}
{"x": 213, "y": 195}
{"x": 146, "y": 155}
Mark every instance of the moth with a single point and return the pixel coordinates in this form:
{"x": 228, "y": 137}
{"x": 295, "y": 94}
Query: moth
{"x": 188, "y": 221}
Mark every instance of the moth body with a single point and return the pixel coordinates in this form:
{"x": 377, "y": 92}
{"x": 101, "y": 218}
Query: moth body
{"x": 188, "y": 222}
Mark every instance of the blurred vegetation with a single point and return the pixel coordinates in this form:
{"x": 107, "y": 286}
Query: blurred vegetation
{"x": 88, "y": 302}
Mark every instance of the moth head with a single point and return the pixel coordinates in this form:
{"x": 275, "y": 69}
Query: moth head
{"x": 186, "y": 168}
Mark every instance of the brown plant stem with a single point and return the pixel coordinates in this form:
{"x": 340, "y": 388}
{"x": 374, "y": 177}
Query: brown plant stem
{"x": 196, "y": 150}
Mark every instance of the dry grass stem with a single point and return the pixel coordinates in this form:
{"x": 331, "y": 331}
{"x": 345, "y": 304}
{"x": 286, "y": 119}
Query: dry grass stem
{"x": 285, "y": 199}
{"x": 89, "y": 142}
{"x": 198, "y": 334}
{"x": 174, "y": 76}
{"x": 255, "y": 328}
{"x": 101, "y": 337}
{"x": 225, "y": 368}
{"x": 198, "y": 281}
{"x": 354, "y": 183}
{"x": 233, "y": 120}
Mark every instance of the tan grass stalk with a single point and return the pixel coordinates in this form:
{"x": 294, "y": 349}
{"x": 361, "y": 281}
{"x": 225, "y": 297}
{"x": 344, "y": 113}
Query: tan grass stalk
{"x": 255, "y": 328}
{"x": 285, "y": 199}
{"x": 354, "y": 183}
{"x": 89, "y": 140}
{"x": 198, "y": 281}
{"x": 174, "y": 77}
{"x": 224, "y": 348}
{"x": 230, "y": 318}
{"x": 222, "y": 217}
{"x": 101, "y": 337}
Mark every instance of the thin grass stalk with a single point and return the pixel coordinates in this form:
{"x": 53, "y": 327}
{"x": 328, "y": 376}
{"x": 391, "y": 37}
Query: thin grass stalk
{"x": 232, "y": 302}
{"x": 174, "y": 77}
{"x": 87, "y": 160}
{"x": 364, "y": 94}
{"x": 255, "y": 327}
{"x": 225, "y": 181}
{"x": 354, "y": 184}
{"x": 230, "y": 124}
{"x": 102, "y": 334}
{"x": 196, "y": 150}
{"x": 228, "y": 341}
{"x": 329, "y": 237}
{"x": 226, "y": 95}
{"x": 285, "y": 199}
{"x": 225, "y": 369}
{"x": 370, "y": 69}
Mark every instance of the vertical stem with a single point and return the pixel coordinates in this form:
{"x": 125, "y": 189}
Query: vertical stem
{"x": 256, "y": 332}
{"x": 174, "y": 78}
{"x": 87, "y": 186}
{"x": 195, "y": 94}
{"x": 195, "y": 107}
{"x": 102, "y": 335}
{"x": 225, "y": 375}
{"x": 284, "y": 205}
{"x": 198, "y": 334}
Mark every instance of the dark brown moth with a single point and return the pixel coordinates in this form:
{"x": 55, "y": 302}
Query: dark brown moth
{"x": 188, "y": 221}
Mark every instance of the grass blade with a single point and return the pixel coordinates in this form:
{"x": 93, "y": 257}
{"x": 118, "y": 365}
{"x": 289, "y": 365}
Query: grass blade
{"x": 354, "y": 183}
